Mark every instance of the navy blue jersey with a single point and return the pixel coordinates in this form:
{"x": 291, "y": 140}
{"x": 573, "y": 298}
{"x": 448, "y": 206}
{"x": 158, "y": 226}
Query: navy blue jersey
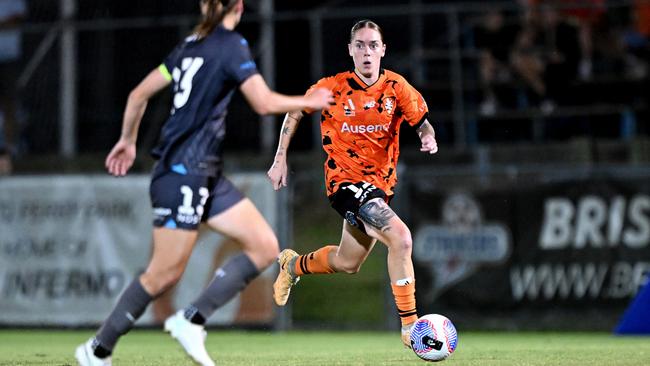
{"x": 204, "y": 75}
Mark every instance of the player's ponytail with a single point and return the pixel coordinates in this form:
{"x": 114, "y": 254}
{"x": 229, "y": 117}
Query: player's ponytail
{"x": 214, "y": 12}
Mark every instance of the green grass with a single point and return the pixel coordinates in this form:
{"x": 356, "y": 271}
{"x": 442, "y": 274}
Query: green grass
{"x": 310, "y": 303}
{"x": 140, "y": 347}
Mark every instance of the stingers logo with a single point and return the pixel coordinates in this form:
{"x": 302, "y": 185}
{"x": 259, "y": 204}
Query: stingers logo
{"x": 461, "y": 244}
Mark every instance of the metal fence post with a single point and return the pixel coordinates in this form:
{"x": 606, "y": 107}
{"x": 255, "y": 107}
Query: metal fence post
{"x": 68, "y": 82}
{"x": 267, "y": 40}
{"x": 456, "y": 81}
{"x": 316, "y": 68}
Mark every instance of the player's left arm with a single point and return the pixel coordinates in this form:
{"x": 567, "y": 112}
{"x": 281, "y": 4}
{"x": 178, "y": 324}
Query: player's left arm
{"x": 427, "y": 137}
{"x": 122, "y": 155}
{"x": 277, "y": 174}
{"x": 416, "y": 112}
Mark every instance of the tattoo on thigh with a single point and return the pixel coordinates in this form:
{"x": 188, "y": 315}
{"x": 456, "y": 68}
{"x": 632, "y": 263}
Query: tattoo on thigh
{"x": 376, "y": 213}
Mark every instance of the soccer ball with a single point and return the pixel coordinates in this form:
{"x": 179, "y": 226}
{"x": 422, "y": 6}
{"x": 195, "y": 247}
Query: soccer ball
{"x": 433, "y": 337}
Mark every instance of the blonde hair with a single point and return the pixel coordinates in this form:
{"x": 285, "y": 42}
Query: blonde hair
{"x": 366, "y": 24}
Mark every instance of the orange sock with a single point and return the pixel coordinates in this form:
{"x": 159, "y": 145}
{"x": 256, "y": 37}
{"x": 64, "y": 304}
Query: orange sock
{"x": 314, "y": 262}
{"x": 405, "y": 301}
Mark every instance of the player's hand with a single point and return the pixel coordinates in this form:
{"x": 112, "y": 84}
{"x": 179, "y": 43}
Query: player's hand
{"x": 320, "y": 98}
{"x": 121, "y": 158}
{"x": 278, "y": 174}
{"x": 429, "y": 144}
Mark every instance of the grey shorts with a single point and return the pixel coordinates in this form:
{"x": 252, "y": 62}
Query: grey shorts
{"x": 184, "y": 201}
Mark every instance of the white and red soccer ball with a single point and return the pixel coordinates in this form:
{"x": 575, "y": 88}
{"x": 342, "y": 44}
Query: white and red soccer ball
{"x": 433, "y": 337}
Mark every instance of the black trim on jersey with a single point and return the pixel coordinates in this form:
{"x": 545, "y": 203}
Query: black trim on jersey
{"x": 424, "y": 118}
{"x": 356, "y": 86}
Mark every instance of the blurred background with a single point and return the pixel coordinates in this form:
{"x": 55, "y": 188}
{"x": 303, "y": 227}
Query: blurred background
{"x": 535, "y": 213}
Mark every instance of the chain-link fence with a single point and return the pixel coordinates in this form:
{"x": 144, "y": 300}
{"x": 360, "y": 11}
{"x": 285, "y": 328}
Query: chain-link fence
{"x": 491, "y": 73}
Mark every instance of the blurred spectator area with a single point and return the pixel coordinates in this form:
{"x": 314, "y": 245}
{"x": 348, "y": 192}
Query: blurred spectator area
{"x": 554, "y": 70}
{"x": 494, "y": 73}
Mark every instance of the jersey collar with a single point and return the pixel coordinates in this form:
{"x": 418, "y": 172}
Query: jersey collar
{"x": 363, "y": 86}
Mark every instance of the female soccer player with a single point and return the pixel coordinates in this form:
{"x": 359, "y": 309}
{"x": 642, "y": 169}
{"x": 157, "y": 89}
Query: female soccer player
{"x": 360, "y": 135}
{"x": 187, "y": 185}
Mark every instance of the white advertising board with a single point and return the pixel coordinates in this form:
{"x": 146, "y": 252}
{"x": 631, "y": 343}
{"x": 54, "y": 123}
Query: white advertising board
{"x": 69, "y": 245}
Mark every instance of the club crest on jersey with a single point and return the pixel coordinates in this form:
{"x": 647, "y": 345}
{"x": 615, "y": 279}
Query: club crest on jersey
{"x": 389, "y": 104}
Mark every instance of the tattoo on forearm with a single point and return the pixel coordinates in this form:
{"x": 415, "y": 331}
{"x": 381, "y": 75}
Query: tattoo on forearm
{"x": 286, "y": 131}
{"x": 377, "y": 214}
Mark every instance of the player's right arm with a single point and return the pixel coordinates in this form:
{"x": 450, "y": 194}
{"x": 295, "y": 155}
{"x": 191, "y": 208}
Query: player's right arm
{"x": 266, "y": 101}
{"x": 121, "y": 157}
{"x": 241, "y": 68}
{"x": 278, "y": 171}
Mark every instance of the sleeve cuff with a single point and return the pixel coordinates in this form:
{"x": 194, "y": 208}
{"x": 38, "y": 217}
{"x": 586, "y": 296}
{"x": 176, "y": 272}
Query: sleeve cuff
{"x": 424, "y": 118}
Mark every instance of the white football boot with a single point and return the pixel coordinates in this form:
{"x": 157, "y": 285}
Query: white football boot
{"x": 85, "y": 356}
{"x": 190, "y": 336}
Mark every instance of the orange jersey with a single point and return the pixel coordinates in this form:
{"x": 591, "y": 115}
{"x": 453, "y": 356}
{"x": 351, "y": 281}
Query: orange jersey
{"x": 361, "y": 132}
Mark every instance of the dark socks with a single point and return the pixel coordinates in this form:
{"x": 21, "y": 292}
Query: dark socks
{"x": 228, "y": 280}
{"x": 99, "y": 350}
{"x": 129, "y": 308}
{"x": 192, "y": 314}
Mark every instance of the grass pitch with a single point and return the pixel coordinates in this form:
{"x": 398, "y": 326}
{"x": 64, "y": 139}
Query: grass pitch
{"x": 144, "y": 347}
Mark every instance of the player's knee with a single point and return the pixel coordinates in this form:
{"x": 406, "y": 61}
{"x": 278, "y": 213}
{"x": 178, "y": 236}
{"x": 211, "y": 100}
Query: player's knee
{"x": 269, "y": 257}
{"x": 403, "y": 243}
{"x": 268, "y": 249}
{"x": 406, "y": 243}
{"x": 352, "y": 269}
{"x": 171, "y": 278}
{"x": 349, "y": 267}
{"x": 158, "y": 282}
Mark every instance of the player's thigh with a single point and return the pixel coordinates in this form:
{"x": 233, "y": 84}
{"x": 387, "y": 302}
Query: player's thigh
{"x": 171, "y": 250}
{"x": 230, "y": 213}
{"x": 242, "y": 222}
{"x": 246, "y": 225}
{"x": 177, "y": 202}
{"x": 383, "y": 224}
{"x": 355, "y": 246}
